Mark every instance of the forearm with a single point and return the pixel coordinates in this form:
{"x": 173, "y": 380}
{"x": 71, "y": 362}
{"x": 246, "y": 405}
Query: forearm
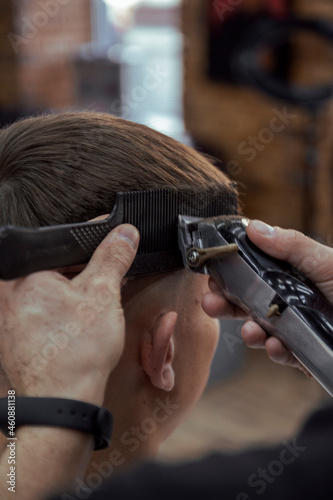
{"x": 45, "y": 459}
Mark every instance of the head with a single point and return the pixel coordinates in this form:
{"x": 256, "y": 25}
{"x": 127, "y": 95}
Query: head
{"x": 66, "y": 168}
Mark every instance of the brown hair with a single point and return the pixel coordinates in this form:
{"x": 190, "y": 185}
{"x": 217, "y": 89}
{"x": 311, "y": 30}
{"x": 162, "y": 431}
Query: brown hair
{"x": 63, "y": 168}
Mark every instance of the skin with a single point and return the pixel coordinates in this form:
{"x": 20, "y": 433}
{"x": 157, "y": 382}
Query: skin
{"x": 169, "y": 346}
{"x": 49, "y": 301}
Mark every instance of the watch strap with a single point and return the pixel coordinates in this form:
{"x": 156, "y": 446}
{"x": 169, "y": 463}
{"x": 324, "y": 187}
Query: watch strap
{"x": 58, "y": 412}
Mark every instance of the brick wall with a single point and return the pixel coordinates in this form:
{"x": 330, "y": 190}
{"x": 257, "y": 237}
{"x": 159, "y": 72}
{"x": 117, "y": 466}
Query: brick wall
{"x": 39, "y": 39}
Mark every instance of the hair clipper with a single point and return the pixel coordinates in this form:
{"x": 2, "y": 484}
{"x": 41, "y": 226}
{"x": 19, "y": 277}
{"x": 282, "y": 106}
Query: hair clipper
{"x": 279, "y": 298}
{"x": 210, "y": 238}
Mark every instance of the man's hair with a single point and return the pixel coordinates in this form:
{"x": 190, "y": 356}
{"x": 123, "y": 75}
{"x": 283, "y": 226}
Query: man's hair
{"x": 64, "y": 168}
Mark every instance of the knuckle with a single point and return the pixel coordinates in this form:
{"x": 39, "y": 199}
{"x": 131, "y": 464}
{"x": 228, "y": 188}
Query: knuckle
{"x": 105, "y": 288}
{"x": 98, "y": 281}
{"x": 290, "y": 242}
{"x": 290, "y": 236}
{"x": 293, "y": 235}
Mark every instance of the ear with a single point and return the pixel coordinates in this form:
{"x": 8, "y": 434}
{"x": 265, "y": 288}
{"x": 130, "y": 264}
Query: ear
{"x": 157, "y": 352}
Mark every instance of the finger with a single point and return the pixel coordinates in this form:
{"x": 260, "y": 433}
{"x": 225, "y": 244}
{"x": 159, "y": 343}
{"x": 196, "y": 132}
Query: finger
{"x": 217, "y": 306}
{"x": 214, "y": 287}
{"x": 253, "y": 335}
{"x": 113, "y": 257}
{"x": 278, "y": 353}
{"x": 309, "y": 256}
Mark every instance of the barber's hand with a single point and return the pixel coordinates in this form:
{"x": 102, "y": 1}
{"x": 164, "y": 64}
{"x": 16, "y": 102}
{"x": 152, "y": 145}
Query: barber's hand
{"x": 61, "y": 337}
{"x": 310, "y": 257}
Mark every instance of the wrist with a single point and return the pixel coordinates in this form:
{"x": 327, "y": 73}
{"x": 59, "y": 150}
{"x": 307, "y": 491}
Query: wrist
{"x": 89, "y": 389}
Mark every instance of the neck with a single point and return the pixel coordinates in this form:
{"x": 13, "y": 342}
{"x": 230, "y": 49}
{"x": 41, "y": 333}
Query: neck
{"x": 128, "y": 447}
{"x": 136, "y": 435}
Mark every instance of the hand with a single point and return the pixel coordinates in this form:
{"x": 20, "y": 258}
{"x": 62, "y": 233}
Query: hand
{"x": 310, "y": 257}
{"x": 61, "y": 337}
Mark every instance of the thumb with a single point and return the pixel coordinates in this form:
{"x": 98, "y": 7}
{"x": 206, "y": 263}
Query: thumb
{"x": 115, "y": 254}
{"x": 310, "y": 257}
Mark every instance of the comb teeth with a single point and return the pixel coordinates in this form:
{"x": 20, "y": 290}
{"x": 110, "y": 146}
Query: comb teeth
{"x": 155, "y": 213}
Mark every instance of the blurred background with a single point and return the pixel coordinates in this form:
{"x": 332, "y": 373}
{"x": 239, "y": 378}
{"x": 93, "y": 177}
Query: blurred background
{"x": 249, "y": 82}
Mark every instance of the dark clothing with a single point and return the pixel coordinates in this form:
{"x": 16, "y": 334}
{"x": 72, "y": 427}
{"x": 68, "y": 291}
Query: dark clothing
{"x": 300, "y": 468}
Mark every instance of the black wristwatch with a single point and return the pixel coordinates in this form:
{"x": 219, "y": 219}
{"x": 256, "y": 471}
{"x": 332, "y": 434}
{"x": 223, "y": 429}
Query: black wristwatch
{"x": 55, "y": 412}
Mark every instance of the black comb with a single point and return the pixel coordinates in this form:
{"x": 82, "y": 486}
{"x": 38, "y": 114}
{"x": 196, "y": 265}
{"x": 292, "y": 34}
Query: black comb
{"x": 154, "y": 213}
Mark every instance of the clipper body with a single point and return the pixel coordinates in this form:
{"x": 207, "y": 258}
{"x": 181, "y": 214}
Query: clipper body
{"x": 280, "y": 299}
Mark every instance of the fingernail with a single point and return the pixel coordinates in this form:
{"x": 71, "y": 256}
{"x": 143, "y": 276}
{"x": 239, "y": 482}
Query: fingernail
{"x": 263, "y": 228}
{"x": 129, "y": 234}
